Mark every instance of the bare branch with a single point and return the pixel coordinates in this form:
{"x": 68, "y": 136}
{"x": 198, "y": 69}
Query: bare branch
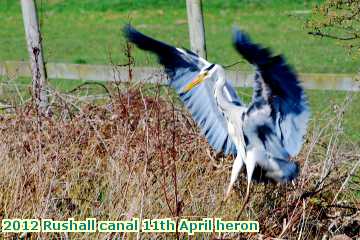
{"x": 333, "y": 36}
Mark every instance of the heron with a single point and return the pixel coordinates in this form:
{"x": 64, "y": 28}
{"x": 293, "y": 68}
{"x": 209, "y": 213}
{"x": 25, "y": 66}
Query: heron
{"x": 264, "y": 134}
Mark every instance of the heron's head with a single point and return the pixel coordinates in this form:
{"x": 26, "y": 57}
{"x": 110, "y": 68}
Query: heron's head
{"x": 204, "y": 74}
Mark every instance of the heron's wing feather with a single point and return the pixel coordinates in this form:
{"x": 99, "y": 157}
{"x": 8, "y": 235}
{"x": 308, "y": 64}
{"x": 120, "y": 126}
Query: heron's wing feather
{"x": 276, "y": 84}
{"x": 231, "y": 94}
{"x": 182, "y": 66}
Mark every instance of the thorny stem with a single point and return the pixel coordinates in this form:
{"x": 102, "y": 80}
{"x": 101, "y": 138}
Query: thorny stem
{"x": 162, "y": 160}
{"x": 173, "y": 155}
{"x": 146, "y": 120}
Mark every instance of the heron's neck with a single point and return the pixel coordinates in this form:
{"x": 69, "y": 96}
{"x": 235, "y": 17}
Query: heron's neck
{"x": 221, "y": 99}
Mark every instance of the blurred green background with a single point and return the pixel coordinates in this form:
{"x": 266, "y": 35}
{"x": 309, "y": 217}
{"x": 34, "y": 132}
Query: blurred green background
{"x": 88, "y": 31}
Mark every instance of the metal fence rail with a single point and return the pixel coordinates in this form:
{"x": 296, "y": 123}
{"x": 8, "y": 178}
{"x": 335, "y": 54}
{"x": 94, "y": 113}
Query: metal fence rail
{"x": 14, "y": 69}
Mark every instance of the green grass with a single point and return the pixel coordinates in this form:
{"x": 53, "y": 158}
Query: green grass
{"x": 8, "y": 92}
{"x": 89, "y": 31}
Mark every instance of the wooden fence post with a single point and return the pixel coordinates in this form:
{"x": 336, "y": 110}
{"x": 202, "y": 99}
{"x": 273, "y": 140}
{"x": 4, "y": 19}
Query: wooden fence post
{"x": 196, "y": 27}
{"x": 33, "y": 39}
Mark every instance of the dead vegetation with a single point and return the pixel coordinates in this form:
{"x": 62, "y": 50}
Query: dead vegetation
{"x": 139, "y": 154}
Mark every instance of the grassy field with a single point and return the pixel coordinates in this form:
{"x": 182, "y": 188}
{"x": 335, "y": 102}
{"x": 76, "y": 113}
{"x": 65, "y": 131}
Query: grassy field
{"x": 89, "y": 31}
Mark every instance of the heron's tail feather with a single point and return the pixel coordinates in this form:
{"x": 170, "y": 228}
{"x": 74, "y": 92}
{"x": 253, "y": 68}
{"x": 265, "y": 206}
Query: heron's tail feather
{"x": 287, "y": 171}
{"x": 280, "y": 171}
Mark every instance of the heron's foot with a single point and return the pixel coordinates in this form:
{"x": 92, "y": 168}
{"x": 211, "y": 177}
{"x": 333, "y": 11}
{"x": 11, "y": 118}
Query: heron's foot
{"x": 214, "y": 160}
{"x": 246, "y": 199}
{"x": 222, "y": 203}
{"x": 225, "y": 199}
{"x": 228, "y": 192}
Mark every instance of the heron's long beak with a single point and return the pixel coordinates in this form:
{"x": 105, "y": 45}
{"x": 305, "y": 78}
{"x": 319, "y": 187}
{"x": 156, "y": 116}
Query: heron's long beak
{"x": 197, "y": 80}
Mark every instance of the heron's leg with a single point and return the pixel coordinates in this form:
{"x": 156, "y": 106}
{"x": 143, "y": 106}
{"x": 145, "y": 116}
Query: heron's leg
{"x": 250, "y": 163}
{"x": 250, "y": 166}
{"x": 238, "y": 163}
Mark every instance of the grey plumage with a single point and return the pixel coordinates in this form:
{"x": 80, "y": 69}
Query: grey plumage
{"x": 182, "y": 66}
{"x": 267, "y": 132}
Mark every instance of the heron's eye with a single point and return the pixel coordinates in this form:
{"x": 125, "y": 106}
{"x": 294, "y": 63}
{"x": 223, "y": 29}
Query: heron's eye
{"x": 205, "y": 74}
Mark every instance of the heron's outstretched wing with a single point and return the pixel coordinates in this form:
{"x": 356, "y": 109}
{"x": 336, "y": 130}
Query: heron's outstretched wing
{"x": 182, "y": 66}
{"x": 277, "y": 85}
